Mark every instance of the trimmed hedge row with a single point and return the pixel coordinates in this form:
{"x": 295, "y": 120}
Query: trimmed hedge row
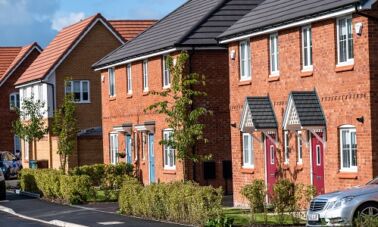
{"x": 53, "y": 184}
{"x": 183, "y": 202}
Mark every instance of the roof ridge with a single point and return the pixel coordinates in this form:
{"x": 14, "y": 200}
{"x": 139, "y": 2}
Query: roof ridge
{"x": 133, "y": 20}
{"x": 87, "y": 18}
{"x": 205, "y": 17}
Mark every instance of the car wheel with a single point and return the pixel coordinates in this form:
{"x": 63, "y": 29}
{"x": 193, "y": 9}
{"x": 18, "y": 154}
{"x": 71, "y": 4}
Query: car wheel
{"x": 366, "y": 214}
{"x": 2, "y": 190}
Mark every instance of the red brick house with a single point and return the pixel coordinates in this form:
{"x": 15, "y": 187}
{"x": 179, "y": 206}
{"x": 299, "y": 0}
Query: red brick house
{"x": 131, "y": 72}
{"x": 13, "y": 62}
{"x": 70, "y": 55}
{"x": 303, "y": 93}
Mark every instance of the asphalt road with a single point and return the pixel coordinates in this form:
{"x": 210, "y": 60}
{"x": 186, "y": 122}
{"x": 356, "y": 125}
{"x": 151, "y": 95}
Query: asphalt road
{"x": 51, "y": 213}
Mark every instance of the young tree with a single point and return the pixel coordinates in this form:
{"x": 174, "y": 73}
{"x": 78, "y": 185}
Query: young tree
{"x": 30, "y": 125}
{"x": 181, "y": 115}
{"x": 65, "y": 127}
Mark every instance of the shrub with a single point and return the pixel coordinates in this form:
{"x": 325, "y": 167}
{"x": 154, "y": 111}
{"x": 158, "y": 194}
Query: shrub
{"x": 75, "y": 189}
{"x": 183, "y": 202}
{"x": 255, "y": 194}
{"x": 284, "y": 198}
{"x": 28, "y": 181}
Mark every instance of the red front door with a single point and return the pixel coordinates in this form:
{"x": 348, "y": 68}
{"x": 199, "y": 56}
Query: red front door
{"x": 271, "y": 163}
{"x": 317, "y": 153}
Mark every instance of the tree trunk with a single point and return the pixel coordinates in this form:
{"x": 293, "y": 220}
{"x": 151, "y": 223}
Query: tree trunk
{"x": 35, "y": 149}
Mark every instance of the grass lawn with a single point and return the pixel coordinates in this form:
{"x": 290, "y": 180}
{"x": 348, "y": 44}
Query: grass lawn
{"x": 243, "y": 218}
{"x": 100, "y": 197}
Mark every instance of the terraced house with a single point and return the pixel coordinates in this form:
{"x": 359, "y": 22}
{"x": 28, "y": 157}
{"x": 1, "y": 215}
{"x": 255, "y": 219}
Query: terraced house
{"x": 13, "y": 62}
{"x": 131, "y": 72}
{"x": 303, "y": 93}
{"x": 69, "y": 57}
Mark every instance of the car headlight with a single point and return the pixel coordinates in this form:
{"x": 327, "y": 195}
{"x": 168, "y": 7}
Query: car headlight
{"x": 340, "y": 202}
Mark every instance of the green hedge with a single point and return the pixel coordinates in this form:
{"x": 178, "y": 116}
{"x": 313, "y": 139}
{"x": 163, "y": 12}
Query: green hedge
{"x": 178, "y": 202}
{"x": 75, "y": 189}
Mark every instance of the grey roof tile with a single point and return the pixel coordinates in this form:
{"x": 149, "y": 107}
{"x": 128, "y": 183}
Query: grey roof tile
{"x": 309, "y": 108}
{"x": 263, "y": 116}
{"x": 195, "y": 23}
{"x": 273, "y": 12}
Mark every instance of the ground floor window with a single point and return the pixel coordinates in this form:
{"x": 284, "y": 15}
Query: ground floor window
{"x": 300, "y": 148}
{"x": 348, "y": 148}
{"x": 247, "y": 151}
{"x": 169, "y": 151}
{"x": 287, "y": 147}
{"x": 26, "y": 150}
{"x": 113, "y": 148}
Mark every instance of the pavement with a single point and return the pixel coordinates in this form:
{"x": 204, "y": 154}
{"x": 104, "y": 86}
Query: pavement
{"x": 20, "y": 210}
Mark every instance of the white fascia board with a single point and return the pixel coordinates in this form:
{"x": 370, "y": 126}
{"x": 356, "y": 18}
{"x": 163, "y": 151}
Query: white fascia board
{"x": 139, "y": 58}
{"x": 29, "y": 84}
{"x": 294, "y": 24}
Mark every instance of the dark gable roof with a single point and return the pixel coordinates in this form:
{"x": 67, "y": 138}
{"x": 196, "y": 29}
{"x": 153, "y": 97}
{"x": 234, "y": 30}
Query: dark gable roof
{"x": 197, "y": 22}
{"x": 309, "y": 109}
{"x": 263, "y": 116}
{"x": 273, "y": 12}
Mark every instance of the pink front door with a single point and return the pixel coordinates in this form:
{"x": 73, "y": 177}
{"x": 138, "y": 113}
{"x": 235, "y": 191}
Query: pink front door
{"x": 317, "y": 153}
{"x": 271, "y": 163}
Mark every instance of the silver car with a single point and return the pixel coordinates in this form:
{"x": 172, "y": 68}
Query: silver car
{"x": 341, "y": 208}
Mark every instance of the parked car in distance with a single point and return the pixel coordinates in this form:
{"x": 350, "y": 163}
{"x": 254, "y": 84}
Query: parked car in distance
{"x": 10, "y": 164}
{"x": 342, "y": 208}
{"x": 2, "y": 186}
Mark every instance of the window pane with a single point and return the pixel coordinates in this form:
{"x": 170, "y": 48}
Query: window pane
{"x": 350, "y": 39}
{"x": 76, "y": 89}
{"x": 69, "y": 87}
{"x": 342, "y": 40}
{"x": 310, "y": 37}
{"x": 346, "y": 149}
{"x": 245, "y": 149}
{"x": 354, "y": 148}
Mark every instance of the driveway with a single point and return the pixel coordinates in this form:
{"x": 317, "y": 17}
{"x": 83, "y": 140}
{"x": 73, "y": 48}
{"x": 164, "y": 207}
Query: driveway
{"x": 47, "y": 213}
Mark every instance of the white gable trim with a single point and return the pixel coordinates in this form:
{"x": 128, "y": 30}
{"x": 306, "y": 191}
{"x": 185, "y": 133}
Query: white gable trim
{"x": 294, "y": 24}
{"x": 289, "y": 113}
{"x": 35, "y": 47}
{"x": 78, "y": 41}
{"x": 245, "y": 117}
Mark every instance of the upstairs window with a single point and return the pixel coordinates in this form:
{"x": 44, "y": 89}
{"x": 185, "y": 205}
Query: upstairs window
{"x": 79, "y": 89}
{"x": 169, "y": 151}
{"x": 245, "y": 60}
{"x": 14, "y": 101}
{"x": 129, "y": 80}
{"x": 345, "y": 41}
{"x": 166, "y": 73}
{"x": 145, "y": 75}
{"x": 274, "y": 54}
{"x": 247, "y": 151}
{"x": 307, "y": 48}
{"x": 348, "y": 148}
{"x": 112, "y": 91}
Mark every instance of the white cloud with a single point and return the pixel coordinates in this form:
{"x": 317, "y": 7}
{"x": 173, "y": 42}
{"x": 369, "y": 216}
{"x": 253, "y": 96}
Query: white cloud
{"x": 60, "y": 21}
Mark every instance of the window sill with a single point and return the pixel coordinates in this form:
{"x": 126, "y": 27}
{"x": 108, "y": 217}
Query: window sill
{"x": 347, "y": 175}
{"x": 244, "y": 82}
{"x": 273, "y": 78}
{"x": 82, "y": 102}
{"x": 299, "y": 166}
{"x": 129, "y": 96}
{"x": 344, "y": 68}
{"x": 112, "y": 98}
{"x": 146, "y": 93}
{"x": 285, "y": 166}
{"x": 169, "y": 171}
{"x": 248, "y": 170}
{"x": 167, "y": 87}
{"x": 307, "y": 73}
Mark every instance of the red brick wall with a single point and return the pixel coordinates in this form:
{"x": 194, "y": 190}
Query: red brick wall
{"x": 125, "y": 108}
{"x": 344, "y": 96}
{"x": 7, "y": 116}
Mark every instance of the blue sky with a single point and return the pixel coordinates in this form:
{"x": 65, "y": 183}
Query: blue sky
{"x": 25, "y": 21}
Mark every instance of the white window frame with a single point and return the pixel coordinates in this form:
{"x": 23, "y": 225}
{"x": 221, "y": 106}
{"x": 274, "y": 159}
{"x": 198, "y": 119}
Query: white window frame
{"x": 274, "y": 54}
{"x": 299, "y": 148}
{"x": 112, "y": 82}
{"x": 245, "y": 60}
{"x": 144, "y": 135}
{"x": 349, "y": 59}
{"x": 349, "y": 129}
{"x": 135, "y": 147}
{"x": 248, "y": 153}
{"x": 16, "y": 104}
{"x": 113, "y": 148}
{"x": 129, "y": 79}
{"x": 26, "y": 150}
{"x": 169, "y": 162}
{"x": 287, "y": 147}
{"x": 145, "y": 75}
{"x": 81, "y": 90}
{"x": 166, "y": 73}
{"x": 307, "y": 36}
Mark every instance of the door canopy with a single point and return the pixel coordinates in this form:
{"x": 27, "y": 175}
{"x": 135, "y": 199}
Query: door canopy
{"x": 303, "y": 111}
{"x": 257, "y": 115}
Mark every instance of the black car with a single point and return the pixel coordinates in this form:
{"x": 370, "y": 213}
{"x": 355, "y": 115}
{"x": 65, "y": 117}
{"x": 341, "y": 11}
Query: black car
{"x": 2, "y": 185}
{"x": 10, "y": 164}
